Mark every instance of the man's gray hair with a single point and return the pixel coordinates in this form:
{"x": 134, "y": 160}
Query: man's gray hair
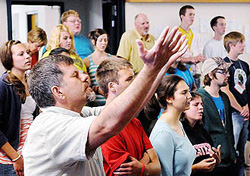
{"x": 43, "y": 76}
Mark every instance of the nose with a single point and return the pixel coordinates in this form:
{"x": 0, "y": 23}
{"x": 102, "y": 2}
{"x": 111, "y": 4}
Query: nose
{"x": 84, "y": 78}
{"x": 27, "y": 55}
{"x": 189, "y": 95}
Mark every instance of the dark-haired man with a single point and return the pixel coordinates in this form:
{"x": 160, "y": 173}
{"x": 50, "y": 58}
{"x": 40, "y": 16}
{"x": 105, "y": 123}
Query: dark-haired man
{"x": 215, "y": 47}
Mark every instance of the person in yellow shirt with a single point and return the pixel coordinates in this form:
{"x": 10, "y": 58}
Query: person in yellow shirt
{"x": 62, "y": 37}
{"x": 194, "y": 54}
{"x": 128, "y": 48}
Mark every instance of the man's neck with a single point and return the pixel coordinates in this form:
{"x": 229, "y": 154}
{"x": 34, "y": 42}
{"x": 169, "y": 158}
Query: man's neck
{"x": 184, "y": 26}
{"x": 213, "y": 90}
{"x": 217, "y": 36}
{"x": 233, "y": 56}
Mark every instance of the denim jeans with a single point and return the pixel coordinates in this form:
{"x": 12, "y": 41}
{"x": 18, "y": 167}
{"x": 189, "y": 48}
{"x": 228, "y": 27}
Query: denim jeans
{"x": 240, "y": 129}
{"x": 7, "y": 170}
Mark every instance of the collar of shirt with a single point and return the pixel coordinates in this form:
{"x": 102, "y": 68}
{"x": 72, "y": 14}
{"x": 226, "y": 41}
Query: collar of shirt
{"x": 60, "y": 110}
{"x": 147, "y": 38}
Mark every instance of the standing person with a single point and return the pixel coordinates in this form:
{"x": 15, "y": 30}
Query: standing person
{"x": 194, "y": 55}
{"x": 234, "y": 43}
{"x": 125, "y": 154}
{"x": 247, "y": 146}
{"x": 215, "y": 46}
{"x": 128, "y": 48}
{"x": 37, "y": 38}
{"x": 99, "y": 39}
{"x": 207, "y": 157}
{"x": 71, "y": 146}
{"x": 83, "y": 46}
{"x": 217, "y": 116}
{"x": 16, "y": 107}
{"x": 61, "y": 37}
{"x": 175, "y": 152}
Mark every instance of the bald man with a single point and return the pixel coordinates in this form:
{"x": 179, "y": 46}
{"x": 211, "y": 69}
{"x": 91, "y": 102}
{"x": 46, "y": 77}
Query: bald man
{"x": 128, "y": 48}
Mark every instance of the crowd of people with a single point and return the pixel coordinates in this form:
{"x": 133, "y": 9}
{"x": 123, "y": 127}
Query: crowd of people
{"x": 79, "y": 110}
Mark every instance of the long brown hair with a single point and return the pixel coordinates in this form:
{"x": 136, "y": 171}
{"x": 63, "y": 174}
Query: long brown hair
{"x": 7, "y": 61}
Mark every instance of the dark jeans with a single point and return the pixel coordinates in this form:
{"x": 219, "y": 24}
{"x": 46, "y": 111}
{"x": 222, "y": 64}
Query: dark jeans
{"x": 226, "y": 171}
{"x": 7, "y": 170}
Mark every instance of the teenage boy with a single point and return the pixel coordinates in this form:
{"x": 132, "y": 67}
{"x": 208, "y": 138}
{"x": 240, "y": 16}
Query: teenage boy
{"x": 234, "y": 43}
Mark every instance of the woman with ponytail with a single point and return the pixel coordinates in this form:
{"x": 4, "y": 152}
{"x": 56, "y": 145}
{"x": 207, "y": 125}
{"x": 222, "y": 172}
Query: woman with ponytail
{"x": 175, "y": 152}
{"x": 17, "y": 108}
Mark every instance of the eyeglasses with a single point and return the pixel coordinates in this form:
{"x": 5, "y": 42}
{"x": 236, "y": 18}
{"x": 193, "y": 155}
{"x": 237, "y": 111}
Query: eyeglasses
{"x": 224, "y": 72}
{"x": 74, "y": 21}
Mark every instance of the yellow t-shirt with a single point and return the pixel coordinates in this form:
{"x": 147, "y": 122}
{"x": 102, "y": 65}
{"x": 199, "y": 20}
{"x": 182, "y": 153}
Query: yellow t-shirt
{"x": 78, "y": 63}
{"x": 128, "y": 48}
{"x": 189, "y": 36}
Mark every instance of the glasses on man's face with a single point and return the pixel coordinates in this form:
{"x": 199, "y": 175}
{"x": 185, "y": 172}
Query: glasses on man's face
{"x": 222, "y": 71}
{"x": 74, "y": 21}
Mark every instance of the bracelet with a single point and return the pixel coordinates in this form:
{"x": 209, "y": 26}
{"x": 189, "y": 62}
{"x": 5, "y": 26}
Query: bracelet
{"x": 142, "y": 169}
{"x": 16, "y": 158}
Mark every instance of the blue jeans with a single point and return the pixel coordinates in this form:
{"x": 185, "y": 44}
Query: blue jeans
{"x": 240, "y": 129}
{"x": 7, "y": 170}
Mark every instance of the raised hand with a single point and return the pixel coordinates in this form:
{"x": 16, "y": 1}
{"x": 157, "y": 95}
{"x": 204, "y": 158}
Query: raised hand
{"x": 167, "y": 49}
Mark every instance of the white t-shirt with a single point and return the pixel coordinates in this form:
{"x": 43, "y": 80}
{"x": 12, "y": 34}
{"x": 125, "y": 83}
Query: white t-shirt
{"x": 214, "y": 48}
{"x": 56, "y": 145}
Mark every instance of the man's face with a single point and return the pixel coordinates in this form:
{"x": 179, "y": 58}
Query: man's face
{"x": 35, "y": 47}
{"x": 142, "y": 24}
{"x": 125, "y": 78}
{"x": 73, "y": 86}
{"x": 220, "y": 28}
{"x": 74, "y": 24}
{"x": 222, "y": 75}
{"x": 188, "y": 18}
{"x": 238, "y": 48}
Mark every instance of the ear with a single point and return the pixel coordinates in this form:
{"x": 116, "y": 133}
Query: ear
{"x": 93, "y": 42}
{"x": 57, "y": 93}
{"x": 169, "y": 100}
{"x": 111, "y": 87}
{"x": 211, "y": 76}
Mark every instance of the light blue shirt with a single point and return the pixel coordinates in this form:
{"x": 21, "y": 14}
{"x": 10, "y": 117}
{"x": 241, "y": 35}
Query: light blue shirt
{"x": 83, "y": 46}
{"x": 175, "y": 152}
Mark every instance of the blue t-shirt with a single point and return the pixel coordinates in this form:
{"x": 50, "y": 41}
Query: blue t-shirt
{"x": 220, "y": 107}
{"x": 186, "y": 75}
{"x": 83, "y": 46}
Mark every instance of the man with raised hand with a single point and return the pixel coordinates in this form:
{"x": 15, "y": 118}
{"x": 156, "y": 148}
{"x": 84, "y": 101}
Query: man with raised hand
{"x": 60, "y": 141}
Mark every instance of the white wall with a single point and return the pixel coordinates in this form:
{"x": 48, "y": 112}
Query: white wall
{"x": 95, "y": 15}
{"x": 3, "y": 28}
{"x": 166, "y": 14}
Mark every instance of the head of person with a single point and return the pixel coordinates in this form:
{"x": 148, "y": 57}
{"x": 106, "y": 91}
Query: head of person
{"x": 215, "y": 70}
{"x": 16, "y": 60}
{"x": 14, "y": 56}
{"x": 52, "y": 80}
{"x": 72, "y": 19}
{"x": 172, "y": 92}
{"x": 187, "y": 14}
{"x": 61, "y": 37}
{"x": 60, "y": 51}
{"x": 114, "y": 76}
{"x": 234, "y": 42}
{"x": 195, "y": 112}
{"x": 37, "y": 38}
{"x": 142, "y": 24}
{"x": 218, "y": 24}
{"x": 99, "y": 39}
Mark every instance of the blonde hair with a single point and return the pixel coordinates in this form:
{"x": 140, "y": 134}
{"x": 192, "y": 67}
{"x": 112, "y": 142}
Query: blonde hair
{"x": 55, "y": 35}
{"x": 37, "y": 35}
{"x": 68, "y": 13}
{"x": 233, "y": 38}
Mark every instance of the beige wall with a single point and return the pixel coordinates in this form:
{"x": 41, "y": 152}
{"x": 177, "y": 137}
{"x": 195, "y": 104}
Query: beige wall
{"x": 3, "y": 28}
{"x": 163, "y": 14}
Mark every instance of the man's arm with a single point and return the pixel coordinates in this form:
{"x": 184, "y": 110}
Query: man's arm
{"x": 134, "y": 167}
{"x": 232, "y": 99}
{"x": 117, "y": 114}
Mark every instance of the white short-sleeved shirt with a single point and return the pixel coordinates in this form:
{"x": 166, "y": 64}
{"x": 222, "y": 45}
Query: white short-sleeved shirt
{"x": 56, "y": 145}
{"x": 214, "y": 48}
